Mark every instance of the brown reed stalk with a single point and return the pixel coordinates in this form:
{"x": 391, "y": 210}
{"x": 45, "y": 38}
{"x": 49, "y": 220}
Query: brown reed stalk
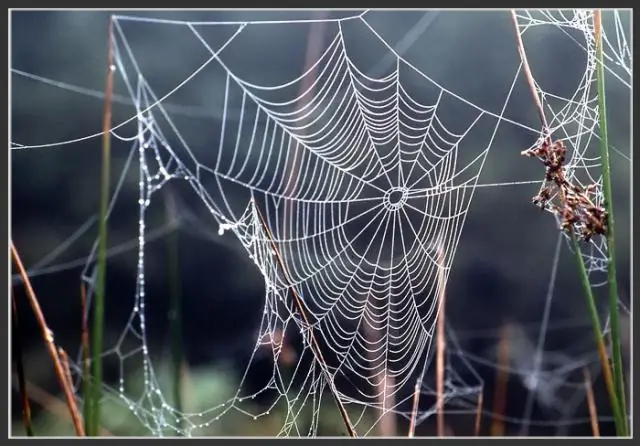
{"x": 414, "y": 409}
{"x": 47, "y": 336}
{"x": 479, "y": 413}
{"x": 591, "y": 402}
{"x": 22, "y": 386}
{"x": 64, "y": 360}
{"x": 52, "y": 404}
{"x": 315, "y": 346}
{"x": 529, "y": 76}
{"x": 440, "y": 345}
{"x": 86, "y": 352}
{"x": 502, "y": 379}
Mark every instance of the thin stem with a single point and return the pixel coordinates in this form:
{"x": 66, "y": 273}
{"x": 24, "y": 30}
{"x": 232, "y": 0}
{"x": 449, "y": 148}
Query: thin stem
{"x": 315, "y": 347}
{"x": 98, "y": 311}
{"x": 479, "y": 412}
{"x": 414, "y": 409}
{"x": 22, "y": 382}
{"x": 618, "y": 375}
{"x": 64, "y": 360}
{"x": 47, "y": 336}
{"x": 86, "y": 358}
{"x": 529, "y": 75}
{"x": 440, "y": 346}
{"x": 52, "y": 404}
{"x": 175, "y": 310}
{"x": 599, "y": 338}
{"x": 502, "y": 380}
{"x": 591, "y": 402}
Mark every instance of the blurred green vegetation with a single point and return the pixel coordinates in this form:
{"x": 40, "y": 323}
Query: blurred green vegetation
{"x": 203, "y": 389}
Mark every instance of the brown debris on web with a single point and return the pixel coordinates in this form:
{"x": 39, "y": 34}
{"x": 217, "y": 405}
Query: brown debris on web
{"x": 571, "y": 202}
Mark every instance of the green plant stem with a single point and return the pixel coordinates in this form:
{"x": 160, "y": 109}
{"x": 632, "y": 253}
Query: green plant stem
{"x": 610, "y": 233}
{"x": 599, "y": 338}
{"x": 98, "y": 311}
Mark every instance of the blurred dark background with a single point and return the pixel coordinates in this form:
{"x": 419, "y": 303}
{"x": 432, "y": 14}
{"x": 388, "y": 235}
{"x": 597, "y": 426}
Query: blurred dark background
{"x": 502, "y": 267}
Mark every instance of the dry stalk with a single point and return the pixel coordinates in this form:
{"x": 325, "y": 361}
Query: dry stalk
{"x": 22, "y": 386}
{"x": 591, "y": 402}
{"x": 502, "y": 379}
{"x": 479, "y": 413}
{"x": 441, "y": 345}
{"x": 529, "y": 76}
{"x": 47, "y": 336}
{"x": 414, "y": 409}
{"x": 52, "y": 404}
{"x": 64, "y": 360}
{"x": 84, "y": 339}
{"x": 315, "y": 346}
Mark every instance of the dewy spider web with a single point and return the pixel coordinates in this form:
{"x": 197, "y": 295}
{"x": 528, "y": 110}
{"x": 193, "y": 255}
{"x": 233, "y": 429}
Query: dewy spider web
{"x": 365, "y": 188}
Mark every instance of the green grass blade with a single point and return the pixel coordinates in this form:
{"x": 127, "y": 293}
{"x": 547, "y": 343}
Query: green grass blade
{"x": 599, "y": 338}
{"x": 100, "y": 290}
{"x": 610, "y": 233}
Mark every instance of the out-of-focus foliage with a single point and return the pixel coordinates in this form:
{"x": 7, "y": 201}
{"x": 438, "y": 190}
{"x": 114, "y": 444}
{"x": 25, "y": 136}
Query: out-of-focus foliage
{"x": 202, "y": 389}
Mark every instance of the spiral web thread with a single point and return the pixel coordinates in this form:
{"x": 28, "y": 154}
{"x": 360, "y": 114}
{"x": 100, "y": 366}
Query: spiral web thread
{"x": 364, "y": 195}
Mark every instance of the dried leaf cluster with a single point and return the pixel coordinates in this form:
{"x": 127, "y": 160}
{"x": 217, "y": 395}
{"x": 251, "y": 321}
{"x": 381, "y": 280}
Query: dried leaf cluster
{"x": 571, "y": 202}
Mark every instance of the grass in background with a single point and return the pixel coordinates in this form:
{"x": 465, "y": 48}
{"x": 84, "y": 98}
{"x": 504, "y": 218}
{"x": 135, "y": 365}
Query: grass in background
{"x": 92, "y": 412}
{"x": 175, "y": 308}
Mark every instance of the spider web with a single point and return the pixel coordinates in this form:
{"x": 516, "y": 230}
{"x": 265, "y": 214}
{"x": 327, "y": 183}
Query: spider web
{"x": 349, "y": 192}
